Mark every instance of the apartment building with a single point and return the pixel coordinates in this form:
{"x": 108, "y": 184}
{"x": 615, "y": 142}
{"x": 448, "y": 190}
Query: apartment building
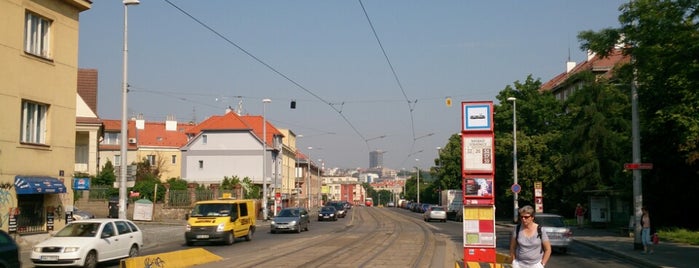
{"x": 38, "y": 89}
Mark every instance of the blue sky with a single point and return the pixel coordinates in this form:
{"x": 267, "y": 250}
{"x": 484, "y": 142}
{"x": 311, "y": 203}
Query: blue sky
{"x": 324, "y": 55}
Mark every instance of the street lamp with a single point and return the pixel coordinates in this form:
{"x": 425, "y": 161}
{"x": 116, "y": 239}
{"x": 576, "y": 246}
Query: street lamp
{"x": 308, "y": 186}
{"x": 124, "y": 123}
{"x": 264, "y": 152}
{"x": 514, "y": 153}
{"x": 418, "y": 181}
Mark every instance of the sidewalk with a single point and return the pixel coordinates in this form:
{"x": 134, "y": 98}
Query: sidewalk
{"x": 666, "y": 254}
{"x": 610, "y": 240}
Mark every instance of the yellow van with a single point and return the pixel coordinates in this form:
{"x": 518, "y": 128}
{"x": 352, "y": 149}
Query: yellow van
{"x": 223, "y": 220}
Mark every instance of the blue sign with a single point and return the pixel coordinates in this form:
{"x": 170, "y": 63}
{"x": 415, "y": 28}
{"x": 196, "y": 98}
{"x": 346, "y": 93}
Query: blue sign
{"x": 516, "y": 188}
{"x": 81, "y": 183}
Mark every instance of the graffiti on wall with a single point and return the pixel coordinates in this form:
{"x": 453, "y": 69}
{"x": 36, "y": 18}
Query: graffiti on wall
{"x": 7, "y": 203}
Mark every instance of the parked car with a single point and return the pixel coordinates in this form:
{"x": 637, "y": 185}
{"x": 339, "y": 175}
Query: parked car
{"x": 435, "y": 213}
{"x": 327, "y": 213}
{"x": 88, "y": 242}
{"x": 290, "y": 219}
{"x": 82, "y": 214}
{"x": 9, "y": 251}
{"x": 390, "y": 204}
{"x": 559, "y": 234}
{"x": 341, "y": 209}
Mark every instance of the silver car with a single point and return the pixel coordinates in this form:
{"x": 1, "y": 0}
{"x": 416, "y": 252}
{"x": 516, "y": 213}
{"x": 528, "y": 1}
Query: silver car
{"x": 559, "y": 234}
{"x": 290, "y": 219}
{"x": 435, "y": 213}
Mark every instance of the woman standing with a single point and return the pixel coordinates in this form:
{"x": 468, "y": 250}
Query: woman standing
{"x": 645, "y": 232}
{"x": 580, "y": 215}
{"x": 529, "y": 246}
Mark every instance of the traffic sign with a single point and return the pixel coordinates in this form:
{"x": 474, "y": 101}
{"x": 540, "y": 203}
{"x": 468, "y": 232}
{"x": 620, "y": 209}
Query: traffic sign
{"x": 516, "y": 188}
{"x": 638, "y": 166}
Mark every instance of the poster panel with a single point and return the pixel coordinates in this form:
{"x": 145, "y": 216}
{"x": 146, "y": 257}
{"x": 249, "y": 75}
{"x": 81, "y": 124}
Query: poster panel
{"x": 478, "y": 153}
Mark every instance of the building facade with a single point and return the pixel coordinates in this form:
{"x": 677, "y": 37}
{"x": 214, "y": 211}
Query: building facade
{"x": 38, "y": 89}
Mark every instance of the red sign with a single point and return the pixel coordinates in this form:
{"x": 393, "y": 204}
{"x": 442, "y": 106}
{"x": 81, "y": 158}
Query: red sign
{"x": 638, "y": 166}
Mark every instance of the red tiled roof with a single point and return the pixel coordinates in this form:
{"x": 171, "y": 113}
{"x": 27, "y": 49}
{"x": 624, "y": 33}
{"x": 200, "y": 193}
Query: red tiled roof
{"x": 596, "y": 64}
{"x": 256, "y": 122}
{"x": 111, "y": 125}
{"x": 154, "y": 134}
{"x": 229, "y": 121}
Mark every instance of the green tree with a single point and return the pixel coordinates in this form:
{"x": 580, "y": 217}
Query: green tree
{"x": 146, "y": 189}
{"x": 662, "y": 39}
{"x": 539, "y": 154}
{"x": 177, "y": 184}
{"x": 106, "y": 176}
{"x": 596, "y": 140}
{"x": 448, "y": 165}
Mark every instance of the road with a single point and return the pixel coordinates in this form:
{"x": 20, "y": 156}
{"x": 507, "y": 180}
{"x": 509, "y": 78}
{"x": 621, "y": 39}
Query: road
{"x": 368, "y": 237}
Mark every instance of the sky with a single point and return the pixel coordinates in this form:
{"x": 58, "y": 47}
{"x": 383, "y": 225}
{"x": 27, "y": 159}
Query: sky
{"x": 365, "y": 75}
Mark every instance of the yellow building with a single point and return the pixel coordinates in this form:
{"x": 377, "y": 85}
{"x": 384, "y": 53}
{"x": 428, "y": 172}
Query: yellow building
{"x": 289, "y": 172}
{"x": 38, "y": 88}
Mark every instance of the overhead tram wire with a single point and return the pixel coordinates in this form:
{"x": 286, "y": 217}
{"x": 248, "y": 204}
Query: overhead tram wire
{"x": 411, "y": 105}
{"x": 268, "y": 67}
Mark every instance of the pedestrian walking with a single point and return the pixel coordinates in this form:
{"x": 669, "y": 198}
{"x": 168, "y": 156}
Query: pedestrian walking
{"x": 529, "y": 246}
{"x": 645, "y": 232}
{"x": 580, "y": 215}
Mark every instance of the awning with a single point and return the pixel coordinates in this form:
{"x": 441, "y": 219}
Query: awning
{"x": 38, "y": 185}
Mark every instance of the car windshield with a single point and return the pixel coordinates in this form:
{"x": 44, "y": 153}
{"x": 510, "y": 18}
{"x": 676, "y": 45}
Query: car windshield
{"x": 338, "y": 206}
{"x": 82, "y": 229}
{"x": 327, "y": 209}
{"x": 550, "y": 221}
{"x": 212, "y": 210}
{"x": 437, "y": 209}
{"x": 288, "y": 213}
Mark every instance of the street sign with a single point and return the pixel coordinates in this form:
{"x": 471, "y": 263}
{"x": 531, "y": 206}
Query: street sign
{"x": 638, "y": 166}
{"x": 516, "y": 188}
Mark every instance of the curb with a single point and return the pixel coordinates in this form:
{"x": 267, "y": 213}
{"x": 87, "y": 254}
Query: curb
{"x": 634, "y": 260}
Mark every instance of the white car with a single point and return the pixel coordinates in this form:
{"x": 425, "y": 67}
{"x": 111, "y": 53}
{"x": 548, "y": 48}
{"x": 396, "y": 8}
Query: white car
{"x": 435, "y": 213}
{"x": 88, "y": 242}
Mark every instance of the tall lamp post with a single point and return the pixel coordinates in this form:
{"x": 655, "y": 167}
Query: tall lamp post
{"x": 418, "y": 181}
{"x": 264, "y": 158}
{"x": 308, "y": 187}
{"x": 514, "y": 153}
{"x": 124, "y": 123}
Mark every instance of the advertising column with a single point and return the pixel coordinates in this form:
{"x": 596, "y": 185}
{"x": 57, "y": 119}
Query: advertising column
{"x": 478, "y": 173}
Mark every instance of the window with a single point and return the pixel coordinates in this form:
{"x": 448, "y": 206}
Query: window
{"x": 117, "y": 160}
{"x": 111, "y": 138}
{"x": 151, "y": 159}
{"x": 122, "y": 227}
{"x": 204, "y": 139}
{"x": 33, "y": 122}
{"x": 174, "y": 159}
{"x": 201, "y": 163}
{"x": 36, "y": 40}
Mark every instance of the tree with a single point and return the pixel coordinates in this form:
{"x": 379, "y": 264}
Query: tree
{"x": 448, "y": 164}
{"x": 662, "y": 38}
{"x": 106, "y": 175}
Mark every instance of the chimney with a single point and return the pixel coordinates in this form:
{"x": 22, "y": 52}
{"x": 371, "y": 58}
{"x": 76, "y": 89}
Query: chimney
{"x": 170, "y": 123}
{"x": 140, "y": 123}
{"x": 569, "y": 66}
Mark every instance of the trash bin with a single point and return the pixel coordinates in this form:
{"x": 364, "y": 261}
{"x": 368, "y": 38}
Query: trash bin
{"x": 113, "y": 208}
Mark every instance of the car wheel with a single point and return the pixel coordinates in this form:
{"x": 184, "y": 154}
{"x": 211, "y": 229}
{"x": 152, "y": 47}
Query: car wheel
{"x": 307, "y": 224}
{"x": 229, "y": 238}
{"x": 564, "y": 250}
{"x": 299, "y": 229}
{"x": 133, "y": 252}
{"x": 251, "y": 232}
{"x": 273, "y": 231}
{"x": 190, "y": 243}
{"x": 91, "y": 260}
